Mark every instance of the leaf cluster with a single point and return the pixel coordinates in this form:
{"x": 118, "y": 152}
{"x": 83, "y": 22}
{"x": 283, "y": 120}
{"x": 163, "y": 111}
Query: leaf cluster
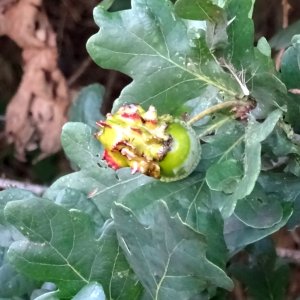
{"x": 103, "y": 234}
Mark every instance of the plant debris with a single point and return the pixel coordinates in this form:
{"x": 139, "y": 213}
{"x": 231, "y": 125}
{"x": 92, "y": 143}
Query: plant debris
{"x": 37, "y": 111}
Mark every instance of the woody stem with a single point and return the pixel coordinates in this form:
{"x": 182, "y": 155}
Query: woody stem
{"x": 216, "y": 108}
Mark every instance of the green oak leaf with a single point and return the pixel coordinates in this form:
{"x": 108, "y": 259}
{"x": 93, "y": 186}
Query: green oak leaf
{"x": 280, "y": 142}
{"x": 238, "y": 235}
{"x": 293, "y": 166}
{"x": 240, "y": 50}
{"x": 92, "y": 291}
{"x": 62, "y": 248}
{"x": 86, "y": 107}
{"x": 198, "y": 10}
{"x": 286, "y": 188}
{"x": 255, "y": 63}
{"x": 264, "y": 47}
{"x": 150, "y": 44}
{"x": 216, "y": 34}
{"x": 224, "y": 176}
{"x": 8, "y": 233}
{"x": 254, "y": 135}
{"x": 290, "y": 64}
{"x": 259, "y": 210}
{"x": 211, "y": 125}
{"x": 80, "y": 145}
{"x": 268, "y": 91}
{"x": 294, "y": 111}
{"x": 233, "y": 141}
{"x": 167, "y": 255}
{"x": 191, "y": 200}
{"x": 12, "y": 283}
{"x": 290, "y": 71}
{"x": 194, "y": 106}
{"x": 265, "y": 276}
{"x": 75, "y": 199}
{"x": 226, "y": 143}
{"x": 102, "y": 186}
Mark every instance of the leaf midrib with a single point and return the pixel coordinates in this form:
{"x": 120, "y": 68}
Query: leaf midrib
{"x": 58, "y": 252}
{"x": 202, "y": 77}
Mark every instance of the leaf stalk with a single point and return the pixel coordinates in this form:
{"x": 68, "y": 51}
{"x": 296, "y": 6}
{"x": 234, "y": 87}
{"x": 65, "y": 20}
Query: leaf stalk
{"x": 215, "y": 108}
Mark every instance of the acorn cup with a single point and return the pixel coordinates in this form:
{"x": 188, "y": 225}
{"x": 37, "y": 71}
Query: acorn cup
{"x": 162, "y": 147}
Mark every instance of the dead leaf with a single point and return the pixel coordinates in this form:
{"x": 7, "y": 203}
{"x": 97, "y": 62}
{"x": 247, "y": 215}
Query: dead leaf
{"x": 295, "y": 91}
{"x": 37, "y": 112}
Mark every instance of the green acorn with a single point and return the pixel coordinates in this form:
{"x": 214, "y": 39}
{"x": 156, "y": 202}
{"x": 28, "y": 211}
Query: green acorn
{"x": 162, "y": 147}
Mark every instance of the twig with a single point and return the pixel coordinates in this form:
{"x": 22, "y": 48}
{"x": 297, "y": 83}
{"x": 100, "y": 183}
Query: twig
{"x": 34, "y": 188}
{"x": 285, "y": 13}
{"x": 215, "y": 108}
{"x": 295, "y": 236}
{"x": 285, "y": 23}
{"x": 238, "y": 291}
{"x": 81, "y": 69}
{"x": 293, "y": 255}
{"x": 295, "y": 91}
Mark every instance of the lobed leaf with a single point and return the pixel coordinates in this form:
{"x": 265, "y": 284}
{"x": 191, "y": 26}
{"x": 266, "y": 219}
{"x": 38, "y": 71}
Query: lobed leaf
{"x": 102, "y": 186}
{"x": 238, "y": 235}
{"x": 12, "y": 283}
{"x": 254, "y": 135}
{"x": 286, "y": 188}
{"x": 86, "y": 107}
{"x": 191, "y": 200}
{"x": 281, "y": 142}
{"x": 74, "y": 199}
{"x": 224, "y": 176}
{"x": 166, "y": 254}
{"x": 150, "y": 44}
{"x": 79, "y": 144}
{"x": 95, "y": 183}
{"x": 240, "y": 50}
{"x": 264, "y": 47}
{"x": 198, "y": 10}
{"x": 62, "y": 248}
{"x": 259, "y": 210}
{"x": 290, "y": 69}
{"x": 226, "y": 143}
{"x": 290, "y": 64}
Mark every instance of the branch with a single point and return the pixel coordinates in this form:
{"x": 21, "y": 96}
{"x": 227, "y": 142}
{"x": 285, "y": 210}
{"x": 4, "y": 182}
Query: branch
{"x": 216, "y": 108}
{"x": 293, "y": 255}
{"x": 34, "y": 188}
{"x": 80, "y": 71}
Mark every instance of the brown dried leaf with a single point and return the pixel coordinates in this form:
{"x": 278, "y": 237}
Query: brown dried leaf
{"x": 38, "y": 110}
{"x": 295, "y": 91}
{"x": 36, "y": 113}
{"x": 27, "y": 24}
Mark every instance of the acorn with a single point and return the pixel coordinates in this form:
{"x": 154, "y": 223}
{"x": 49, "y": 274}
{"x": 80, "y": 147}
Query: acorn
{"x": 162, "y": 147}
